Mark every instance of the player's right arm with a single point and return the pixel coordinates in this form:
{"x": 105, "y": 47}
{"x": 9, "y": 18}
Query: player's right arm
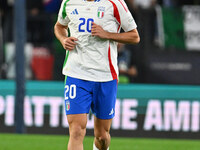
{"x": 61, "y": 33}
{"x": 61, "y": 26}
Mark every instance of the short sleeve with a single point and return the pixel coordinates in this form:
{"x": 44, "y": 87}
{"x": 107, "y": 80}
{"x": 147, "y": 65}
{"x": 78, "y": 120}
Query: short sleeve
{"x": 126, "y": 19}
{"x": 62, "y": 16}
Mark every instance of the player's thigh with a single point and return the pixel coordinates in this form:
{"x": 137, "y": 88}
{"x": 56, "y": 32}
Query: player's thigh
{"x": 101, "y": 126}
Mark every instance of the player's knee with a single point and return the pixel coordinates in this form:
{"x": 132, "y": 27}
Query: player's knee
{"x": 77, "y": 133}
{"x": 102, "y": 136}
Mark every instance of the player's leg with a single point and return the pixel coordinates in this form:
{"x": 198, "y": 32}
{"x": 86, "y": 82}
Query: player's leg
{"x": 77, "y": 130}
{"x": 102, "y": 134}
{"x": 78, "y": 100}
{"x": 103, "y": 107}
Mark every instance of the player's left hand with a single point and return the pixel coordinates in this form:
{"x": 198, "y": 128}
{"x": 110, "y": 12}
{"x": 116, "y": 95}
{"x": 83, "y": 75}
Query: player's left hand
{"x": 98, "y": 31}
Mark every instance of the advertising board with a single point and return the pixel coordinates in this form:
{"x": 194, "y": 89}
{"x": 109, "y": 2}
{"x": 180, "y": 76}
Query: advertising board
{"x": 167, "y": 111}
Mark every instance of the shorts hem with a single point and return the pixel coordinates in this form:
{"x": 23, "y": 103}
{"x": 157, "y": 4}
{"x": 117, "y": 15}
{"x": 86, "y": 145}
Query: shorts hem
{"x": 78, "y": 113}
{"x": 104, "y": 118}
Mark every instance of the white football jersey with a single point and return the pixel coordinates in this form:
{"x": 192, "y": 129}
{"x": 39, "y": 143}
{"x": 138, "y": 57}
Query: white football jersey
{"x": 94, "y": 59}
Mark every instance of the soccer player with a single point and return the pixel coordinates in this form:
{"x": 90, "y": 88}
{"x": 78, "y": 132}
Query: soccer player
{"x": 89, "y": 31}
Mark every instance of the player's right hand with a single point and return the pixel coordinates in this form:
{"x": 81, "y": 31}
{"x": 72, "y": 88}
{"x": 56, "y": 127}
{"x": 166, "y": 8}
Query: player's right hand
{"x": 69, "y": 43}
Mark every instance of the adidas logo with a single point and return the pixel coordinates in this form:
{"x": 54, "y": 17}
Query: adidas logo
{"x": 74, "y": 12}
{"x": 112, "y": 112}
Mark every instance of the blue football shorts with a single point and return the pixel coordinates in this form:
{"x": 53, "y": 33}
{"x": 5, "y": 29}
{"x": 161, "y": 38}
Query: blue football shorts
{"x": 81, "y": 96}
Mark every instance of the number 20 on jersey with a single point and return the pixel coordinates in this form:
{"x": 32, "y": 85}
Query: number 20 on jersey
{"x": 85, "y": 25}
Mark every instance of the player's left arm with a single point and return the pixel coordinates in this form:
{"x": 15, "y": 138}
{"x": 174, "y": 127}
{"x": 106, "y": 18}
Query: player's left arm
{"x": 126, "y": 37}
{"x": 125, "y": 20}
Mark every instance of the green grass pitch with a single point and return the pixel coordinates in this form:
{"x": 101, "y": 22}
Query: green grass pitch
{"x": 53, "y": 142}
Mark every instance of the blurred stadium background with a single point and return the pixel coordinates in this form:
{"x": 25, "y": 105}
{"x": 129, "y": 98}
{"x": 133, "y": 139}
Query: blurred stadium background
{"x": 158, "y": 105}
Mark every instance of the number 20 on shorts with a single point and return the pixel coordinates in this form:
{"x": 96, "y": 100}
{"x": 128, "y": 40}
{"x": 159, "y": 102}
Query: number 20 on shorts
{"x": 70, "y": 91}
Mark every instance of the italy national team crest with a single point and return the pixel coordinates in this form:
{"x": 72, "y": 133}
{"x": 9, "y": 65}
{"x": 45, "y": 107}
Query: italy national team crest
{"x": 67, "y": 105}
{"x": 101, "y": 12}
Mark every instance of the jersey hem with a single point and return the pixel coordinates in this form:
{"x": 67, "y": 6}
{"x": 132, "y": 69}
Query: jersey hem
{"x": 89, "y": 79}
